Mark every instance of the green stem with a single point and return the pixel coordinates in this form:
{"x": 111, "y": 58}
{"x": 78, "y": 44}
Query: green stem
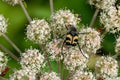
{"x": 63, "y": 72}
{"x": 94, "y": 17}
{"x": 50, "y": 67}
{"x": 2, "y": 78}
{"x": 9, "y": 52}
{"x": 115, "y": 56}
{"x": 69, "y": 75}
{"x": 25, "y": 12}
{"x": 42, "y": 47}
{"x": 103, "y": 34}
{"x": 59, "y": 67}
{"x": 51, "y": 6}
{"x": 15, "y": 47}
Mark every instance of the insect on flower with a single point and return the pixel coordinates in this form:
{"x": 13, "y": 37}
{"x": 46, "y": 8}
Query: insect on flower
{"x": 102, "y": 52}
{"x": 71, "y": 38}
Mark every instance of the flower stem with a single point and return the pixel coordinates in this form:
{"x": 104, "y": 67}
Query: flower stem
{"x": 42, "y": 47}
{"x": 63, "y": 72}
{"x": 15, "y": 47}
{"x": 51, "y": 6}
{"x": 9, "y": 52}
{"x": 50, "y": 67}
{"x": 69, "y": 75}
{"x": 103, "y": 34}
{"x": 115, "y": 56}
{"x": 25, "y": 11}
{"x": 2, "y": 78}
{"x": 59, "y": 66}
{"x": 94, "y": 17}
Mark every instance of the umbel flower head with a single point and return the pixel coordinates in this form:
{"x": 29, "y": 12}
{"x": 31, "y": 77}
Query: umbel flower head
{"x": 90, "y": 41}
{"x": 83, "y": 75}
{"x": 117, "y": 47}
{"x": 62, "y": 19}
{"x": 49, "y": 76}
{"x": 32, "y": 59}
{"x": 54, "y": 48}
{"x": 38, "y": 31}
{"x": 102, "y": 4}
{"x": 3, "y": 24}
{"x": 75, "y": 60}
{"x": 3, "y": 62}
{"x": 110, "y": 19}
{"x": 106, "y": 67}
{"x": 12, "y": 2}
{"x": 23, "y": 74}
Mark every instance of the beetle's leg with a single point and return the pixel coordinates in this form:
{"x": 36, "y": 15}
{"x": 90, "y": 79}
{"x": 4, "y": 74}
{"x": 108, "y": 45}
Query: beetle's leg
{"x": 81, "y": 50}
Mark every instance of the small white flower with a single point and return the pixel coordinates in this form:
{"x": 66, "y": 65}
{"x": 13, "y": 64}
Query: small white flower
{"x": 3, "y": 62}
{"x": 102, "y": 4}
{"x": 61, "y": 20}
{"x": 106, "y": 67}
{"x": 12, "y": 2}
{"x": 54, "y": 48}
{"x": 32, "y": 59}
{"x": 49, "y": 76}
{"x": 83, "y": 75}
{"x": 90, "y": 41}
{"x": 23, "y": 74}
{"x": 75, "y": 60}
{"x": 64, "y": 18}
{"x": 3, "y": 24}
{"x": 117, "y": 47}
{"x": 110, "y": 19}
{"x": 38, "y": 31}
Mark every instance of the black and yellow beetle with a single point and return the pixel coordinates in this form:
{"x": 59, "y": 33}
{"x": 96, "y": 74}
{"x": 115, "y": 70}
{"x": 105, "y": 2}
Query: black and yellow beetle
{"x": 71, "y": 38}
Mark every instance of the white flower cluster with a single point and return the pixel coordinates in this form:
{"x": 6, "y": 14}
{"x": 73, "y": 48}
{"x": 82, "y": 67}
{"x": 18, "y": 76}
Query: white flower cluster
{"x": 90, "y": 40}
{"x": 106, "y": 67}
{"x": 75, "y": 60}
{"x": 118, "y": 10}
{"x": 63, "y": 19}
{"x": 12, "y": 2}
{"x": 110, "y": 19}
{"x": 117, "y": 47}
{"x": 3, "y": 24}
{"x": 32, "y": 59}
{"x": 54, "y": 48}
{"x": 23, "y": 74}
{"x": 38, "y": 31}
{"x": 49, "y": 76}
{"x": 3, "y": 62}
{"x": 102, "y": 4}
{"x": 83, "y": 75}
{"x": 113, "y": 78}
